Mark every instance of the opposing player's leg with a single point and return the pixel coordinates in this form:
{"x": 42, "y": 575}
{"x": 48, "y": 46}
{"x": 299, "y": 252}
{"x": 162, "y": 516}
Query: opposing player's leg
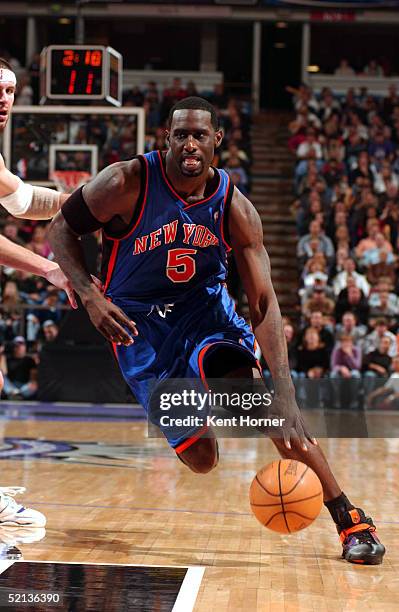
{"x": 12, "y": 513}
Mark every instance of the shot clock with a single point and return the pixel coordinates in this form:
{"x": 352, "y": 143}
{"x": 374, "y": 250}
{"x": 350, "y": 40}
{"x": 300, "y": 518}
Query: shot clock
{"x": 81, "y": 72}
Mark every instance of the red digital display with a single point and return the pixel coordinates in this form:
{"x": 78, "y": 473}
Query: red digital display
{"x": 88, "y": 58}
{"x": 81, "y": 72}
{"x": 77, "y": 72}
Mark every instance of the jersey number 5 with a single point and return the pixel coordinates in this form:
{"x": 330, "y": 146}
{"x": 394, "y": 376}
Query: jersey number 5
{"x": 180, "y": 267}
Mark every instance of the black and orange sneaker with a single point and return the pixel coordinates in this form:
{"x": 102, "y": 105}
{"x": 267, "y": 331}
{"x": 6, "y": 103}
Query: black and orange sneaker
{"x": 359, "y": 539}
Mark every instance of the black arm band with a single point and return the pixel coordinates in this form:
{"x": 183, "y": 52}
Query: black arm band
{"x": 78, "y": 216}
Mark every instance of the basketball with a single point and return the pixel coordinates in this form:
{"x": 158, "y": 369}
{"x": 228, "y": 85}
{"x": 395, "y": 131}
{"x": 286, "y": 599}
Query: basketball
{"x": 286, "y": 496}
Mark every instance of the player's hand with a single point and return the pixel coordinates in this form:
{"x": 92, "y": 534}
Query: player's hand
{"x": 110, "y": 320}
{"x": 285, "y": 407}
{"x": 57, "y": 278}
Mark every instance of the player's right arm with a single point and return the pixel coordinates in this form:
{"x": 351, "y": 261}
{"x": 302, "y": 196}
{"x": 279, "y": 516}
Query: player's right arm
{"x": 27, "y": 201}
{"x": 113, "y": 192}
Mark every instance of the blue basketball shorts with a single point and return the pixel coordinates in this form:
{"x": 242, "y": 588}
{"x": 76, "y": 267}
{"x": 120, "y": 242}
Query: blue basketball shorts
{"x": 175, "y": 344}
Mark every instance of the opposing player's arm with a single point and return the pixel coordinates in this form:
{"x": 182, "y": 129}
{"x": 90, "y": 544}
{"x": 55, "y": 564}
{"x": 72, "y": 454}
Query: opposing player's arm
{"x": 253, "y": 265}
{"x": 27, "y": 201}
{"x": 18, "y": 257}
{"x": 113, "y": 192}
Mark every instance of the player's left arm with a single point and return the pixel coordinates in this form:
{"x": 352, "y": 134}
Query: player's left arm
{"x": 28, "y": 201}
{"x": 246, "y": 235}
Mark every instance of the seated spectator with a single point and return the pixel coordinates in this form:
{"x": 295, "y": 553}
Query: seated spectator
{"x": 10, "y": 231}
{"x": 352, "y": 299}
{"x": 362, "y": 169}
{"x": 385, "y": 178}
{"x": 310, "y": 211}
{"x": 346, "y": 358}
{"x": 320, "y": 282}
{"x": 50, "y": 306}
{"x": 387, "y": 396}
{"x": 373, "y": 68}
{"x": 320, "y": 302}
{"x": 338, "y": 218}
{"x": 354, "y": 145}
{"x": 389, "y": 102}
{"x": 382, "y": 252}
{"x": 50, "y": 331}
{"x": 133, "y": 96}
{"x": 390, "y": 217}
{"x": 234, "y": 152}
{"x": 373, "y": 228}
{"x": 314, "y": 272}
{"x": 380, "y": 148}
{"x": 328, "y": 108}
{"x": 333, "y": 172}
{"x": 238, "y": 181}
{"x": 383, "y": 304}
{"x": 346, "y": 361}
{"x": 233, "y": 165}
{"x": 376, "y": 365}
{"x": 315, "y": 233}
{"x": 39, "y": 243}
{"x": 341, "y": 238}
{"x": 11, "y": 300}
{"x": 313, "y": 357}
{"x": 20, "y": 378}
{"x": 316, "y": 321}
{"x": 292, "y": 349}
{"x": 309, "y": 149}
{"x": 303, "y": 96}
{"x": 152, "y": 105}
{"x": 381, "y": 270}
{"x": 334, "y": 150}
{"x": 338, "y": 265}
{"x": 349, "y": 327}
{"x": 373, "y": 340}
{"x": 344, "y": 69}
{"x": 341, "y": 280}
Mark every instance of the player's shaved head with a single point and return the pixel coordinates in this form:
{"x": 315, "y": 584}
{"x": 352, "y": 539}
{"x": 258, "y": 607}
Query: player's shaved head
{"x": 195, "y": 103}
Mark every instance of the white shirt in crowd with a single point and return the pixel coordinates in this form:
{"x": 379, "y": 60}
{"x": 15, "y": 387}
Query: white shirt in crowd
{"x": 341, "y": 282}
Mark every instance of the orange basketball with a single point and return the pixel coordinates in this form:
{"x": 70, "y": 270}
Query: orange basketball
{"x": 286, "y": 496}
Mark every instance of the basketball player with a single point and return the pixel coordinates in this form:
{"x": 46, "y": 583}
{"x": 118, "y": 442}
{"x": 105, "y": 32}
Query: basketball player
{"x": 168, "y": 220}
{"x": 33, "y": 203}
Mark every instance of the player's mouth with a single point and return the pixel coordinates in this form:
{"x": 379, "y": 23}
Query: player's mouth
{"x": 3, "y": 116}
{"x": 191, "y": 163}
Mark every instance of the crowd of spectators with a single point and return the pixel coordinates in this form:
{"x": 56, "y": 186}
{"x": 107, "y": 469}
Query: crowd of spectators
{"x": 347, "y": 212}
{"x": 373, "y": 68}
{"x": 31, "y": 311}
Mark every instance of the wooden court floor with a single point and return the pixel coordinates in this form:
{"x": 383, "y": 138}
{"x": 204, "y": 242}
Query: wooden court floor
{"x": 124, "y": 499}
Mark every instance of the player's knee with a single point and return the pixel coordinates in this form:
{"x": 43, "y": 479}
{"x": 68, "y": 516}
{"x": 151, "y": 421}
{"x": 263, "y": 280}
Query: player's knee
{"x": 202, "y": 456}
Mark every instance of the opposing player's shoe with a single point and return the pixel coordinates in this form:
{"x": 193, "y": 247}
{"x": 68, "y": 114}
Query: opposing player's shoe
{"x": 12, "y": 513}
{"x": 359, "y": 539}
{"x": 11, "y": 536}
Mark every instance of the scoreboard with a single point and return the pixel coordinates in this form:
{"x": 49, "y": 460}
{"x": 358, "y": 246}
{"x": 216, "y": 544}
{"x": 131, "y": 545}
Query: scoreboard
{"x": 81, "y": 72}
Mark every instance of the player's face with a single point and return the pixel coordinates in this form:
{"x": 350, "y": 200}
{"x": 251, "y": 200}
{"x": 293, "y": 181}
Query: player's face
{"x": 192, "y": 140}
{"x": 7, "y": 92}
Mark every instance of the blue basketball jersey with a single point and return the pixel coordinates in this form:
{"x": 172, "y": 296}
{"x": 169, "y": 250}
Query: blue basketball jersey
{"x": 172, "y": 247}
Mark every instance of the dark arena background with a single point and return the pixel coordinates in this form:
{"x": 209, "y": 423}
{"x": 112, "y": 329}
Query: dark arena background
{"x": 307, "y": 95}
